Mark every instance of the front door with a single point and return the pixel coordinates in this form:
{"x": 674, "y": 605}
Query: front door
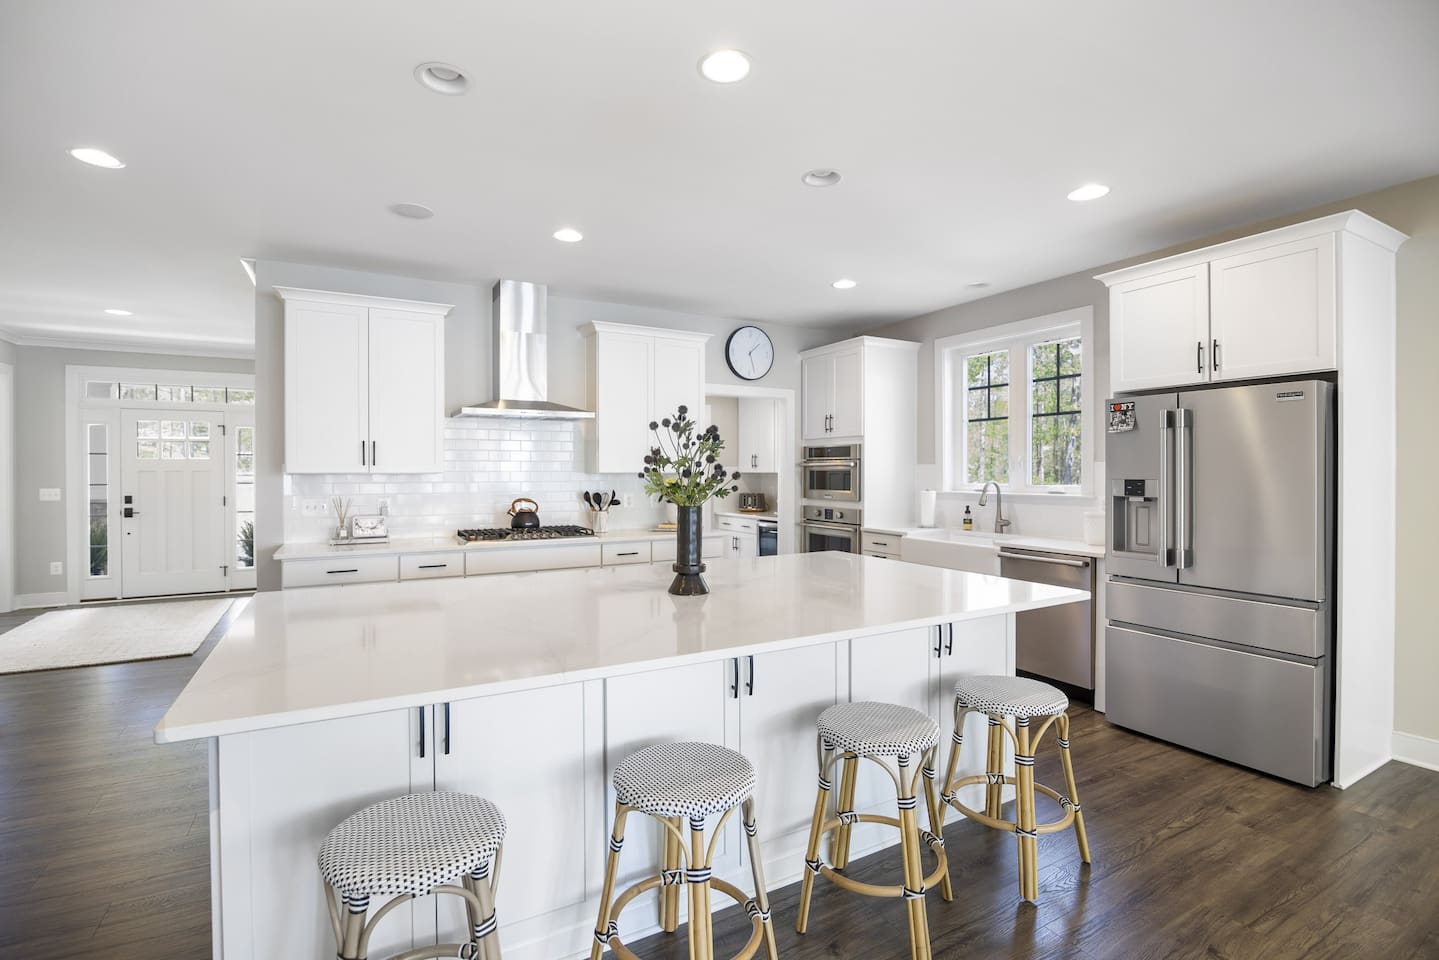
{"x": 172, "y": 511}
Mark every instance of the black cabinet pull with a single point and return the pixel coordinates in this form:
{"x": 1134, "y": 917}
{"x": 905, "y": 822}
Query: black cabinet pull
{"x": 1199, "y": 356}
{"x": 374, "y": 455}
{"x": 447, "y": 730}
{"x": 433, "y": 566}
{"x": 949, "y": 647}
{"x": 1214, "y": 355}
{"x": 939, "y": 639}
{"x": 352, "y": 570}
{"x": 632, "y": 553}
{"x": 734, "y": 687}
{"x": 422, "y": 733}
{"x": 749, "y": 687}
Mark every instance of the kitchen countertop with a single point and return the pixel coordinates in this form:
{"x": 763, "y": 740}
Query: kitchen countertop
{"x": 403, "y": 545}
{"x": 748, "y": 515}
{"x": 980, "y": 538}
{"x": 296, "y": 656}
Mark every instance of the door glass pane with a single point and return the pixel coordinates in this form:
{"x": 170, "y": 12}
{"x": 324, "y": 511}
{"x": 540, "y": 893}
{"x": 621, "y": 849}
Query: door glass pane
{"x": 137, "y": 391}
{"x": 241, "y": 396}
{"x": 172, "y": 429}
{"x": 199, "y": 430}
{"x": 209, "y": 394}
{"x": 172, "y": 449}
{"x": 147, "y": 449}
{"x": 199, "y": 449}
{"x": 173, "y": 394}
{"x": 147, "y": 429}
{"x": 97, "y": 438}
{"x": 245, "y": 496}
{"x": 101, "y": 390}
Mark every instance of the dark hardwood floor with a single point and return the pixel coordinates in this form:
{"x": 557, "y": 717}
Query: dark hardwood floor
{"x": 104, "y": 851}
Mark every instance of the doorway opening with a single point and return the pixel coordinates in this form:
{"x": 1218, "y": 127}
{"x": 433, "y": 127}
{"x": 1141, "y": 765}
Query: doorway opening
{"x": 780, "y": 476}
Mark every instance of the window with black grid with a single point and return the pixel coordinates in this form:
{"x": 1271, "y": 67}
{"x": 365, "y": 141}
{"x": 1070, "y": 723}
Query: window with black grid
{"x": 1056, "y": 413}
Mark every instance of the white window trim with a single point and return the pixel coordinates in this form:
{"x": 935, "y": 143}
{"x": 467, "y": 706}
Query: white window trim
{"x": 1016, "y": 337}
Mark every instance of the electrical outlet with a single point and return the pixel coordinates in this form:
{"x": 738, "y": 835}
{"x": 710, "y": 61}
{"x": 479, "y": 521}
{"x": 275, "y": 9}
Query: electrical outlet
{"x": 57, "y": 568}
{"x": 628, "y": 500}
{"x": 314, "y": 508}
{"x": 49, "y": 494}
{"x": 385, "y": 505}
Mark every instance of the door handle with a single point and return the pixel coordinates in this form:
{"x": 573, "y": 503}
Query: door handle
{"x": 374, "y": 454}
{"x": 422, "y": 733}
{"x": 1057, "y": 561}
{"x": 447, "y": 730}
{"x": 1182, "y": 466}
{"x": 749, "y": 687}
{"x": 939, "y": 640}
{"x": 131, "y": 512}
{"x": 734, "y": 687}
{"x": 1166, "y": 443}
{"x": 949, "y": 644}
{"x": 1199, "y": 356}
{"x": 364, "y": 461}
{"x": 1214, "y": 354}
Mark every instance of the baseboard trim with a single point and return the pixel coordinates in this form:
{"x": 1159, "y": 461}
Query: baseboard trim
{"x": 1416, "y": 750}
{"x": 29, "y": 601}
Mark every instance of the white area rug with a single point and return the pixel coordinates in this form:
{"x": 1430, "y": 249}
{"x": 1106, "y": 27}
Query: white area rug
{"x": 115, "y": 634}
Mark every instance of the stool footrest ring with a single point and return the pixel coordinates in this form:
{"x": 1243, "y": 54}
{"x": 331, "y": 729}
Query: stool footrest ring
{"x": 883, "y": 891}
{"x": 751, "y": 947}
{"x": 999, "y": 823}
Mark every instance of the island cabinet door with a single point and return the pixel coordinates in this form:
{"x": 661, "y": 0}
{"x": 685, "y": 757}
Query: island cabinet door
{"x": 781, "y": 696}
{"x": 980, "y": 647}
{"x": 898, "y": 668}
{"x": 280, "y": 792}
{"x": 692, "y": 702}
{"x": 537, "y": 755}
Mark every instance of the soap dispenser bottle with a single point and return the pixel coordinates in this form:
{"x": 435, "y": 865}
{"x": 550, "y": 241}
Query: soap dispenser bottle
{"x": 968, "y": 519}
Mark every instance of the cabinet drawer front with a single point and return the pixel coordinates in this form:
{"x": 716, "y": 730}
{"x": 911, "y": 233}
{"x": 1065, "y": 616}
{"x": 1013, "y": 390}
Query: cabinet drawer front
{"x": 532, "y": 558}
{"x": 315, "y": 573}
{"x": 880, "y": 543}
{"x": 882, "y": 554}
{"x": 737, "y": 525}
{"x": 664, "y": 551}
{"x": 428, "y": 566}
{"x": 614, "y": 554}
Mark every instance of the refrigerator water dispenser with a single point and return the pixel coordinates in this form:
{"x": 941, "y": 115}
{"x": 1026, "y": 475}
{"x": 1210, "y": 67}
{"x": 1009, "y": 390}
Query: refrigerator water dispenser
{"x": 1135, "y": 512}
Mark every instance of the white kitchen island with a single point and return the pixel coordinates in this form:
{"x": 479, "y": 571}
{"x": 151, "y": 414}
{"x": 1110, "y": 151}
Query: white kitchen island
{"x": 527, "y": 689}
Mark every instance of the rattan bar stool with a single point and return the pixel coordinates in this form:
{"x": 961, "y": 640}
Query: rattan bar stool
{"x": 683, "y": 784}
{"x": 408, "y": 847}
{"x": 851, "y": 732}
{"x": 1025, "y": 700}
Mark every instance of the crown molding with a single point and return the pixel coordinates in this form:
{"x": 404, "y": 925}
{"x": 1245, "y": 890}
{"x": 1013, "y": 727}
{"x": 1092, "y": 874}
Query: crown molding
{"x": 179, "y": 348}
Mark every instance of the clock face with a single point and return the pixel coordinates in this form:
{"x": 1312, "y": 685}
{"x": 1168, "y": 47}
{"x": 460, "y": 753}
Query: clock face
{"x": 749, "y": 353}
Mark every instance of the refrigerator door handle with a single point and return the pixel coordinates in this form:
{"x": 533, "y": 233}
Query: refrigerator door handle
{"x": 1166, "y": 490}
{"x": 1183, "y": 475}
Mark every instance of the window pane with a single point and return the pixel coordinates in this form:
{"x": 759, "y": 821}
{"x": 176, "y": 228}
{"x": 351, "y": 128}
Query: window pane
{"x": 172, "y": 429}
{"x": 147, "y": 429}
{"x": 1044, "y": 360}
{"x": 976, "y": 370}
{"x": 1069, "y": 356}
{"x": 1056, "y": 450}
{"x": 1069, "y": 393}
{"x": 173, "y": 394}
{"x": 245, "y": 539}
{"x": 97, "y": 462}
{"x": 101, "y": 390}
{"x": 172, "y": 449}
{"x": 245, "y": 496}
{"x": 988, "y": 453}
{"x": 147, "y": 449}
{"x": 200, "y": 429}
{"x": 999, "y": 367}
{"x": 245, "y": 440}
{"x": 245, "y": 464}
{"x": 137, "y": 391}
{"x": 99, "y": 555}
{"x": 199, "y": 449}
{"x": 1044, "y": 397}
{"x": 209, "y": 394}
{"x": 999, "y": 401}
{"x": 241, "y": 396}
{"x": 976, "y": 403}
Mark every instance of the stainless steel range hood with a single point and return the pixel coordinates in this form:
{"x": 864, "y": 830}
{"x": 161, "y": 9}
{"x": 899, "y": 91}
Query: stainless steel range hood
{"x": 520, "y": 354}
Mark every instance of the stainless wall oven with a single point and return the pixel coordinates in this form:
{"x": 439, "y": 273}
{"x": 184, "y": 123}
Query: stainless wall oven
{"x": 832, "y": 473}
{"x": 830, "y": 528}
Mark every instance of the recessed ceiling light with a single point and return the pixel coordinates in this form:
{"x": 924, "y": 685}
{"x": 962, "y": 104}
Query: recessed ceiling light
{"x": 725, "y": 66}
{"x": 1090, "y": 191}
{"x": 96, "y": 157}
{"x": 115, "y": 312}
{"x": 569, "y": 235}
{"x": 412, "y": 211}
{"x": 844, "y": 284}
{"x": 443, "y": 78}
{"x": 821, "y": 177}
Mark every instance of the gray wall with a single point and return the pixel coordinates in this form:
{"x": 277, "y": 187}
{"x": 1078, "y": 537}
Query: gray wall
{"x": 7, "y": 351}
{"x": 1412, "y": 208}
{"x": 40, "y": 447}
{"x": 467, "y": 360}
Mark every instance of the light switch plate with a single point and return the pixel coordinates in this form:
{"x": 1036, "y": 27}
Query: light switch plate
{"x": 314, "y": 508}
{"x": 49, "y": 494}
{"x": 57, "y": 568}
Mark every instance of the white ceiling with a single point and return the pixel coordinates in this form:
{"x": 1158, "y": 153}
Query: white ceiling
{"x": 282, "y": 129}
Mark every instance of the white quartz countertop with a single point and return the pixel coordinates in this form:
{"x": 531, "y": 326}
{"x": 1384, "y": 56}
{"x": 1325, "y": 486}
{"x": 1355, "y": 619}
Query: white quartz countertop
{"x": 449, "y": 544}
{"x": 297, "y": 656}
{"x": 981, "y": 538}
{"x": 748, "y": 514}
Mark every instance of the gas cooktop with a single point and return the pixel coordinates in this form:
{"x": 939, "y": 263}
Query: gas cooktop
{"x": 557, "y": 532}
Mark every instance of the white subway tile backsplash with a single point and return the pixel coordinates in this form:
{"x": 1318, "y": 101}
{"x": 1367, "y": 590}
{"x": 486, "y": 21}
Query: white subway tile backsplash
{"x": 485, "y": 468}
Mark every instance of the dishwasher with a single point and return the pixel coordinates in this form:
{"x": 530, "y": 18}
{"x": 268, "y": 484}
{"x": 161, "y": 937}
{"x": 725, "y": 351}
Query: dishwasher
{"x": 1056, "y": 643}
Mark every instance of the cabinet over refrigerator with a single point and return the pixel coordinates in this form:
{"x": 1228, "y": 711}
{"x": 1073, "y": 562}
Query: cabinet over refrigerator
{"x": 1220, "y": 516}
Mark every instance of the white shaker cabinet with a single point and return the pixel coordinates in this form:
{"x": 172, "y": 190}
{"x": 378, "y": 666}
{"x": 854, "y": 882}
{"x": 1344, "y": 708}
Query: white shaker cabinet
{"x": 759, "y": 433}
{"x": 739, "y": 538}
{"x": 1272, "y": 310}
{"x": 1159, "y": 330}
{"x": 832, "y": 393}
{"x": 638, "y": 375}
{"x": 364, "y": 383}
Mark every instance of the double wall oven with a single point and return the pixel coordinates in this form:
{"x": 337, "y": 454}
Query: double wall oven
{"x": 830, "y": 528}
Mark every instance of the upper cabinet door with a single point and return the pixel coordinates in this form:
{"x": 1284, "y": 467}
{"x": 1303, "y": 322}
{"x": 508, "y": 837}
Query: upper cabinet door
{"x": 1159, "y": 330}
{"x": 847, "y": 407}
{"x": 817, "y": 396}
{"x": 407, "y": 392}
{"x": 327, "y": 405}
{"x": 622, "y": 401}
{"x": 679, "y": 378}
{"x": 758, "y": 436}
{"x": 1272, "y": 310}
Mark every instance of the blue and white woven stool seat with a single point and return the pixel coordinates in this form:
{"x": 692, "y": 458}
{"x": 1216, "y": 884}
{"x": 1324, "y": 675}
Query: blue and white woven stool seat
{"x": 684, "y": 780}
{"x": 1010, "y": 696}
{"x": 871, "y": 729}
{"x": 411, "y": 844}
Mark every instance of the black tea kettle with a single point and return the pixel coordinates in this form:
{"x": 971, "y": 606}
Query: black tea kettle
{"x": 524, "y": 514}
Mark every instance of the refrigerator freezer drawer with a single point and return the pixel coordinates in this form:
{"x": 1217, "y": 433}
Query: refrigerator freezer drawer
{"x": 1302, "y": 631}
{"x": 1258, "y": 711}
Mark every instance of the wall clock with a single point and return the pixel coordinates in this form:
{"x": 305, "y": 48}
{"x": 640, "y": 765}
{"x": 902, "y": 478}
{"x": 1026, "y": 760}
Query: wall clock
{"x": 749, "y": 353}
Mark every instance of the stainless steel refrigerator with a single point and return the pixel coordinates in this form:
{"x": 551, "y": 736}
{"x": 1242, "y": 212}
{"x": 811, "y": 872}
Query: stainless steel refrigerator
{"x": 1220, "y": 587}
